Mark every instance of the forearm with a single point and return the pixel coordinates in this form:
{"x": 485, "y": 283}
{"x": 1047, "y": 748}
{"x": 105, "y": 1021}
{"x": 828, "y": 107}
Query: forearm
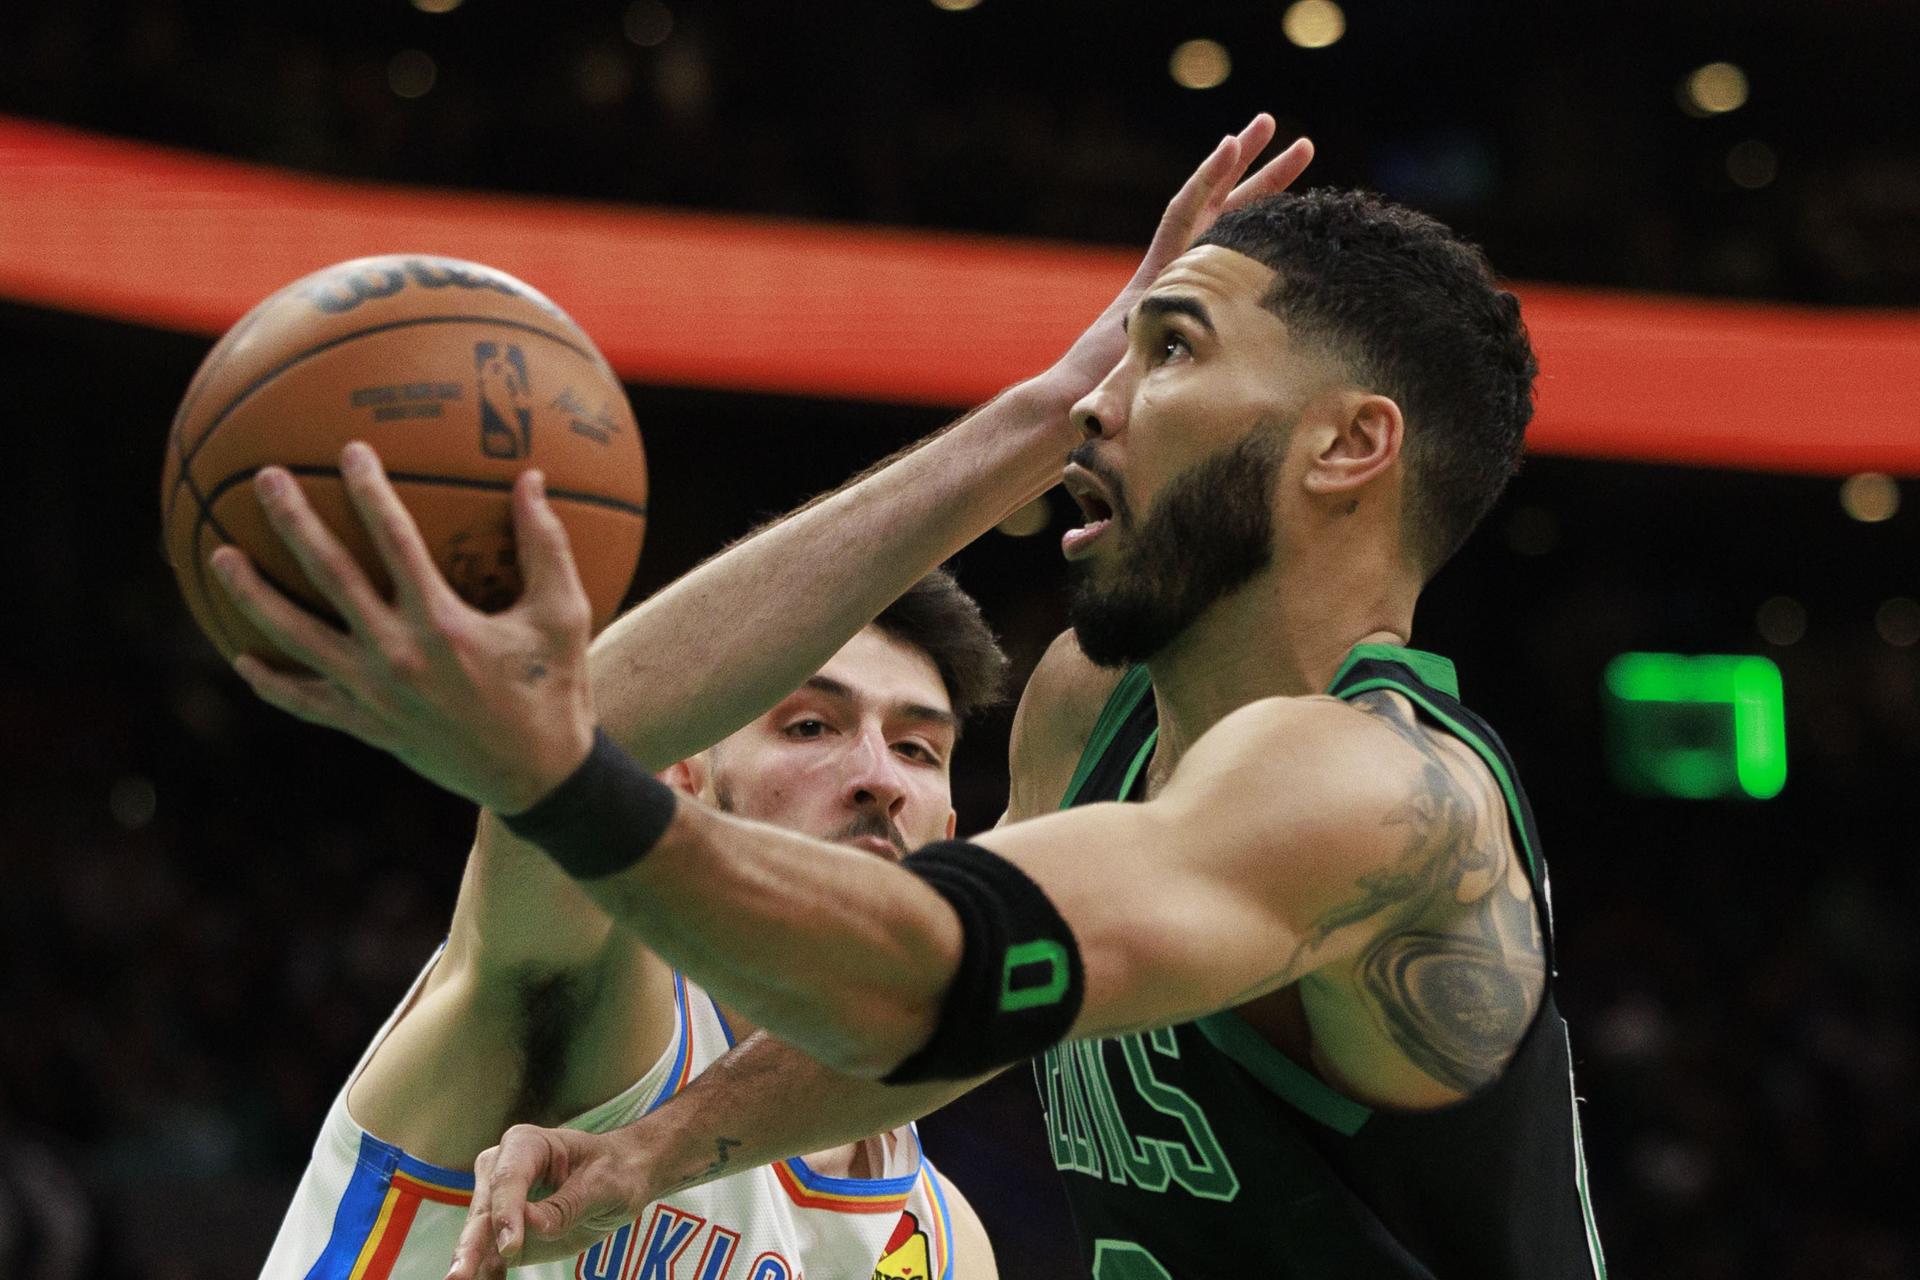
{"x": 728, "y": 640}
{"x": 845, "y": 954}
{"x": 767, "y": 1101}
{"x": 518, "y": 917}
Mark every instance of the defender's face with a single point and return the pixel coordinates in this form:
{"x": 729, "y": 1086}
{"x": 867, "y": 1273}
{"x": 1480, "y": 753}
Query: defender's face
{"x": 1205, "y": 364}
{"x": 857, "y": 755}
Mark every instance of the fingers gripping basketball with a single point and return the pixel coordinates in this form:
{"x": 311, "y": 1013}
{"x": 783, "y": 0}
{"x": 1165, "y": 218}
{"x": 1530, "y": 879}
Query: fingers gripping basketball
{"x": 460, "y": 377}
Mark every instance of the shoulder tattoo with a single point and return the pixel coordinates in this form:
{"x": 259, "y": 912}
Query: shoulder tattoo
{"x": 1458, "y": 969}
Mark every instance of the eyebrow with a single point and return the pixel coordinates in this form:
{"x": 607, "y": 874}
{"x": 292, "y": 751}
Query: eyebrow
{"x": 1175, "y": 304}
{"x": 910, "y": 710}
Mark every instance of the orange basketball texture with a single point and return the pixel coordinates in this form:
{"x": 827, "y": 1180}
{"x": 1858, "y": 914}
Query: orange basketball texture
{"x": 460, "y": 377}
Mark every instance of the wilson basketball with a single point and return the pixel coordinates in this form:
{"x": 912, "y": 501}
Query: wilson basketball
{"x": 460, "y": 377}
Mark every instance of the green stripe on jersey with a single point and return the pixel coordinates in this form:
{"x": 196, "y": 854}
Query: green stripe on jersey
{"x": 1430, "y": 667}
{"x": 1228, "y": 1032}
{"x": 1126, "y": 695}
{"x": 1480, "y": 746}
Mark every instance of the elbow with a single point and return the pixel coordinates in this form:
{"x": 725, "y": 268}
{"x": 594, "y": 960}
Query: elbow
{"x": 860, "y": 1062}
{"x": 889, "y": 1011}
{"x": 869, "y": 1037}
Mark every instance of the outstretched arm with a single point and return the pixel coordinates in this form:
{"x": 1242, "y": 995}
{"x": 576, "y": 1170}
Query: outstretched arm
{"x": 737, "y": 1114}
{"x": 1264, "y": 825}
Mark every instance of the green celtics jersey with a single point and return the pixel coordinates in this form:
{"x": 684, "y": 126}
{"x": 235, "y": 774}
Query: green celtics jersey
{"x": 1202, "y": 1151}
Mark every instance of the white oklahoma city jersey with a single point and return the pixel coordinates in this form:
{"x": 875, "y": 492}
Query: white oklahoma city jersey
{"x": 366, "y": 1210}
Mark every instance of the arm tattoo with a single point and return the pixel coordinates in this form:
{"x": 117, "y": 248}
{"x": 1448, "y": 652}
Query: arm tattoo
{"x": 722, "y": 1157}
{"x": 1455, "y": 988}
{"x": 529, "y": 666}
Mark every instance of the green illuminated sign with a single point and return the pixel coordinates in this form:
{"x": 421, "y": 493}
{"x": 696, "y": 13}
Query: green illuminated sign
{"x": 1696, "y": 726}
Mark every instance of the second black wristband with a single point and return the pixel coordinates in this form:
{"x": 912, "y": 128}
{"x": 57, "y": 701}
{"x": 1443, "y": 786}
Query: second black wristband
{"x": 605, "y": 817}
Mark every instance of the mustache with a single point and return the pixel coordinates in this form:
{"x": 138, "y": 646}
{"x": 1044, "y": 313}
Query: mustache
{"x": 872, "y": 824}
{"x": 1083, "y": 455}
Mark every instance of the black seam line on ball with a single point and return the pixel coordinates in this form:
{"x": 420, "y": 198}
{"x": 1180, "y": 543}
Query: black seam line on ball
{"x": 206, "y": 519}
{"x": 213, "y": 496}
{"x": 176, "y": 432}
{"x": 638, "y": 509}
{"x": 189, "y": 452}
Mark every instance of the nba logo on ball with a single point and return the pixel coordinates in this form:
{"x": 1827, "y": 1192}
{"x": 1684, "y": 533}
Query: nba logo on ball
{"x": 314, "y": 366}
{"x": 506, "y": 400}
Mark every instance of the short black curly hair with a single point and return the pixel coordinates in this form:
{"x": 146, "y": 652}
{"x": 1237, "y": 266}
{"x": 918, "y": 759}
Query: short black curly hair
{"x": 1414, "y": 312}
{"x": 939, "y": 618}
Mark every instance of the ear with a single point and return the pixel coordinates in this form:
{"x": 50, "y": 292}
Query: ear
{"x": 953, "y": 823}
{"x": 689, "y": 776}
{"x": 1364, "y": 440}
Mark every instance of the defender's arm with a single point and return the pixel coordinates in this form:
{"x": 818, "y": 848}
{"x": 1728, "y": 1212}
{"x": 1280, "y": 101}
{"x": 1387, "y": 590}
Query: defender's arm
{"x": 737, "y": 1114}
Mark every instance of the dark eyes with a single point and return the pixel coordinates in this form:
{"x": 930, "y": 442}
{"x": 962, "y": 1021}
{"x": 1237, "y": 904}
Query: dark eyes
{"x": 811, "y": 728}
{"x": 1168, "y": 345}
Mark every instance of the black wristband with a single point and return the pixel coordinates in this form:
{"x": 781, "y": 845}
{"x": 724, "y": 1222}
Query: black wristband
{"x": 605, "y": 817}
{"x": 1019, "y": 984}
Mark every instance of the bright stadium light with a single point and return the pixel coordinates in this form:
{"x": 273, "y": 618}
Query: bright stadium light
{"x": 1200, "y": 64}
{"x": 1870, "y": 497}
{"x": 1314, "y": 24}
{"x": 1715, "y": 89}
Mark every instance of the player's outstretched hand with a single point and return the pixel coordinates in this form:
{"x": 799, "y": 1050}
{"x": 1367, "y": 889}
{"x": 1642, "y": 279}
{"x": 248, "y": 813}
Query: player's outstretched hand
{"x": 587, "y": 1172}
{"x": 1214, "y": 188}
{"x": 496, "y": 707}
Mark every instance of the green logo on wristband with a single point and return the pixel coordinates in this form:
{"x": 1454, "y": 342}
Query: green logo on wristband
{"x": 1041, "y": 951}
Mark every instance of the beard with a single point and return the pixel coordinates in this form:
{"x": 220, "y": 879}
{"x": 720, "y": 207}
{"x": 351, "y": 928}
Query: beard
{"x": 1205, "y": 537}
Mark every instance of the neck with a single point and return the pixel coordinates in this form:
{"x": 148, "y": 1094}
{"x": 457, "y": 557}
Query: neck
{"x": 1284, "y": 634}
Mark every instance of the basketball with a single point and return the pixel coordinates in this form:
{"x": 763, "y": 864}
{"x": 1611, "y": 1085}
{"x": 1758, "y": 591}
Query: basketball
{"x": 460, "y": 377}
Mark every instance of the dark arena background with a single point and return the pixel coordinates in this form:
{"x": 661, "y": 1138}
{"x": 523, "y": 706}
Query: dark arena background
{"x": 1713, "y": 214}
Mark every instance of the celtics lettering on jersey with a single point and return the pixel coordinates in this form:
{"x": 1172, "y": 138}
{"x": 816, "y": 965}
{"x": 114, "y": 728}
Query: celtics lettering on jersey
{"x": 1082, "y": 1087}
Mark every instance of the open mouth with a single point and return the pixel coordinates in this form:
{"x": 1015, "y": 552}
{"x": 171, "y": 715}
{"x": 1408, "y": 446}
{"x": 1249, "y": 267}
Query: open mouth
{"x": 1091, "y": 496}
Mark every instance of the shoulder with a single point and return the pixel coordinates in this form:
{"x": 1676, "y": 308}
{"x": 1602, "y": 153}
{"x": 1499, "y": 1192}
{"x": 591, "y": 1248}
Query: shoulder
{"x": 1299, "y": 791}
{"x": 967, "y": 1242}
{"x": 1347, "y": 751}
{"x": 1058, "y": 710}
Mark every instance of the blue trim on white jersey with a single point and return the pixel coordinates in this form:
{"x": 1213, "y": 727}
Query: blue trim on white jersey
{"x": 725, "y": 1029}
{"x": 859, "y": 1186}
{"x": 359, "y": 1210}
{"x": 684, "y": 1029}
{"x": 434, "y": 1174}
{"x": 946, "y": 1220}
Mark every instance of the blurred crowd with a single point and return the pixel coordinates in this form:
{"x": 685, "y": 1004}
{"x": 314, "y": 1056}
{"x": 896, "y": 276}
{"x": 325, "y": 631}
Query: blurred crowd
{"x": 1562, "y": 138}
